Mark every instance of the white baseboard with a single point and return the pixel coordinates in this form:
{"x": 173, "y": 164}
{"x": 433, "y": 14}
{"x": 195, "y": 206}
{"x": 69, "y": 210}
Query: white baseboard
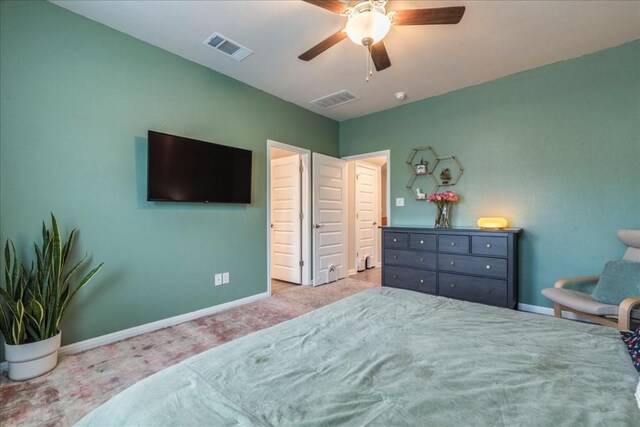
{"x": 548, "y": 311}
{"x": 150, "y": 327}
{"x": 535, "y": 309}
{"x": 352, "y": 272}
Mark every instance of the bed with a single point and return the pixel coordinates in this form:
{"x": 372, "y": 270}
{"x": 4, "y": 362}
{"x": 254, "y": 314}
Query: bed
{"x": 391, "y": 357}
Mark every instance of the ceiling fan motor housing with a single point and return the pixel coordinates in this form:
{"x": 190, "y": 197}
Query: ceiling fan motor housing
{"x": 368, "y": 22}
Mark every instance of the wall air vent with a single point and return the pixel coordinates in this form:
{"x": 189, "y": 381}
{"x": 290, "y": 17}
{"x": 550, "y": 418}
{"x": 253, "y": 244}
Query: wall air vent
{"x": 228, "y": 47}
{"x": 334, "y": 99}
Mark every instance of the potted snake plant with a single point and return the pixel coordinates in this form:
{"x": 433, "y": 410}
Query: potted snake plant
{"x": 34, "y": 301}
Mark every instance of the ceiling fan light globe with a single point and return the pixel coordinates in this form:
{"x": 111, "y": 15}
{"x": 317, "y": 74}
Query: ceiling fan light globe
{"x": 370, "y": 25}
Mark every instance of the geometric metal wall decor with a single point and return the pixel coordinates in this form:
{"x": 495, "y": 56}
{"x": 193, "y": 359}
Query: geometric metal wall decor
{"x": 430, "y": 172}
{"x": 422, "y": 162}
{"x": 448, "y": 171}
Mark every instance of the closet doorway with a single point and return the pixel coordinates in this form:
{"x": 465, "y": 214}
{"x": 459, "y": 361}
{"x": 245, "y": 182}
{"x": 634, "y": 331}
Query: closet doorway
{"x": 368, "y": 208}
{"x": 288, "y": 215}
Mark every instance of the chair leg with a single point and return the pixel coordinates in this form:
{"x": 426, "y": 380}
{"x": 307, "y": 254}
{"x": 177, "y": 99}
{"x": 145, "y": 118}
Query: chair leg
{"x": 557, "y": 310}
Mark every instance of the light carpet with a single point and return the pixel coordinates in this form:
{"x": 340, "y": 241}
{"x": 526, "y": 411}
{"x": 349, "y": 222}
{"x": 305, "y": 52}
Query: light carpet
{"x": 83, "y": 381}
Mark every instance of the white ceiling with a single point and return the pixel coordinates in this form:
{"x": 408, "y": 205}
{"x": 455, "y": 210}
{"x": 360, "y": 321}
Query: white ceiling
{"x": 494, "y": 39}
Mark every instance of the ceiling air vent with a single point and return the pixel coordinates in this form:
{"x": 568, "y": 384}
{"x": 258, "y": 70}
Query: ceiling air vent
{"x": 228, "y": 47}
{"x": 334, "y": 99}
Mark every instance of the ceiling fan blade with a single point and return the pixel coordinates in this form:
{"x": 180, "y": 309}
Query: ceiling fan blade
{"x": 334, "y": 6}
{"x": 439, "y": 15}
{"x": 323, "y": 45}
{"x": 380, "y": 57}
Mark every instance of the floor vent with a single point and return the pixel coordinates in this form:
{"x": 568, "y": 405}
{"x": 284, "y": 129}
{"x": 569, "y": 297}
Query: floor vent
{"x": 228, "y": 47}
{"x": 334, "y": 99}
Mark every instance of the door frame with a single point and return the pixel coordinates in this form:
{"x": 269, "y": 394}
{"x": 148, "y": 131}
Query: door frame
{"x": 365, "y": 156}
{"x": 305, "y": 155}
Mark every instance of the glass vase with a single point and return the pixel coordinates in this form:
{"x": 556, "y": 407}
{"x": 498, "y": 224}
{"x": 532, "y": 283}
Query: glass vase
{"x": 442, "y": 215}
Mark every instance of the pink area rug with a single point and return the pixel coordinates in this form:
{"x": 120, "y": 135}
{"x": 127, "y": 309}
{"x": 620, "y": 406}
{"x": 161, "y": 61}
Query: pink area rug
{"x": 83, "y": 381}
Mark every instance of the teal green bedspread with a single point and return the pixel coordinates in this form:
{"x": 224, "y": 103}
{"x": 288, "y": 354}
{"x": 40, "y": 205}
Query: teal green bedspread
{"x": 389, "y": 357}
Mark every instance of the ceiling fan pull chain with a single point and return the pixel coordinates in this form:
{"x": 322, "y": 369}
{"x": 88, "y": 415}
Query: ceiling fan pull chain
{"x": 367, "y": 59}
{"x": 369, "y": 70}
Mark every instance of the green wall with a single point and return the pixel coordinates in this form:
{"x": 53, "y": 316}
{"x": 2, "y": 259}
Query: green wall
{"x": 77, "y": 100}
{"x": 556, "y": 150}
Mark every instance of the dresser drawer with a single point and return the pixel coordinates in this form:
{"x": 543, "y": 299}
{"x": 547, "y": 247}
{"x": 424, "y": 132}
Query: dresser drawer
{"x": 410, "y": 259}
{"x": 453, "y": 244}
{"x": 494, "y": 267}
{"x": 426, "y": 242}
{"x": 409, "y": 278}
{"x": 396, "y": 240}
{"x": 476, "y": 289}
{"x": 484, "y": 245}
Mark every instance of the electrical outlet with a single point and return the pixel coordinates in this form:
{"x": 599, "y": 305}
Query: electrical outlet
{"x": 399, "y": 201}
{"x": 218, "y": 279}
{"x": 225, "y": 278}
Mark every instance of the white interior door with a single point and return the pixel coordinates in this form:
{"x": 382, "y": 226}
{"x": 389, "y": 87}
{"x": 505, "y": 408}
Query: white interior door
{"x": 367, "y": 213}
{"x": 286, "y": 220}
{"x": 329, "y": 208}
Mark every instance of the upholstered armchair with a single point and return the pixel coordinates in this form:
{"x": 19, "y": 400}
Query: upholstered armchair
{"x": 584, "y": 306}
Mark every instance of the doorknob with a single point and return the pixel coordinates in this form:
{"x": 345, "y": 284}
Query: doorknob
{"x": 318, "y": 225}
{"x": 375, "y": 223}
{"x": 271, "y": 225}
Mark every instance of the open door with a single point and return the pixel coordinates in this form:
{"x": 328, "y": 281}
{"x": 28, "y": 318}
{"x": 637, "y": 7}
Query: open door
{"x": 367, "y": 213}
{"x": 286, "y": 219}
{"x": 329, "y": 208}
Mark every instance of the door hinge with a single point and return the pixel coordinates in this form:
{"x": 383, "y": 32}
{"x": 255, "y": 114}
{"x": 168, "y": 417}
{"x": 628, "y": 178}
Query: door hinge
{"x": 301, "y": 168}
{"x": 301, "y": 216}
{"x": 357, "y": 216}
{"x": 301, "y": 263}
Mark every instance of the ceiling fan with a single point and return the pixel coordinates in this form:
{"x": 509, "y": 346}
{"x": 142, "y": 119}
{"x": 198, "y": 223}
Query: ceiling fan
{"x": 368, "y": 23}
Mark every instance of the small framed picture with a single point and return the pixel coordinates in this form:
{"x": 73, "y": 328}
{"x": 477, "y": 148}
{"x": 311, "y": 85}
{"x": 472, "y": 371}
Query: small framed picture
{"x": 421, "y": 169}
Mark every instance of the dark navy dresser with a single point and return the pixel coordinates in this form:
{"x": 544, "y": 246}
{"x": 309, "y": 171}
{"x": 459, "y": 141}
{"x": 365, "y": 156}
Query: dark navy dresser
{"x": 463, "y": 263}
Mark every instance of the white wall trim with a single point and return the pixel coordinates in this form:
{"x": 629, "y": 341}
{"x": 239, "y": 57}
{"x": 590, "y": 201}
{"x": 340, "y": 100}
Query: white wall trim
{"x": 352, "y": 271}
{"x": 150, "y": 327}
{"x": 548, "y": 311}
{"x": 535, "y": 309}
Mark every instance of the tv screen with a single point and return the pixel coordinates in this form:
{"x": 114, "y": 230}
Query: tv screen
{"x": 187, "y": 170}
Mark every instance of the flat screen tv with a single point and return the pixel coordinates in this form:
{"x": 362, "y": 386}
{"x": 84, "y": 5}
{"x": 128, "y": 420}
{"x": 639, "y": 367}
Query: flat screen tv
{"x": 186, "y": 170}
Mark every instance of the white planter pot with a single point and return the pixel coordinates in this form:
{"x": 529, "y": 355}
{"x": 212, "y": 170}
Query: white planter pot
{"x": 31, "y": 360}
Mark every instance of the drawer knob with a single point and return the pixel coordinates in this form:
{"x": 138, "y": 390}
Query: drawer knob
{"x": 452, "y": 285}
{"x": 453, "y": 243}
{"x": 453, "y": 263}
{"x": 395, "y": 240}
{"x": 488, "y": 291}
{"x": 422, "y": 242}
{"x": 421, "y": 281}
{"x": 488, "y": 267}
{"x": 395, "y": 257}
{"x": 488, "y": 245}
{"x": 421, "y": 259}
{"x": 395, "y": 277}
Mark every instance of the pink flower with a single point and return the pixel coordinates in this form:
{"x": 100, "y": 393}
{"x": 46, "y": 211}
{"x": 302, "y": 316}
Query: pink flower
{"x": 446, "y": 196}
